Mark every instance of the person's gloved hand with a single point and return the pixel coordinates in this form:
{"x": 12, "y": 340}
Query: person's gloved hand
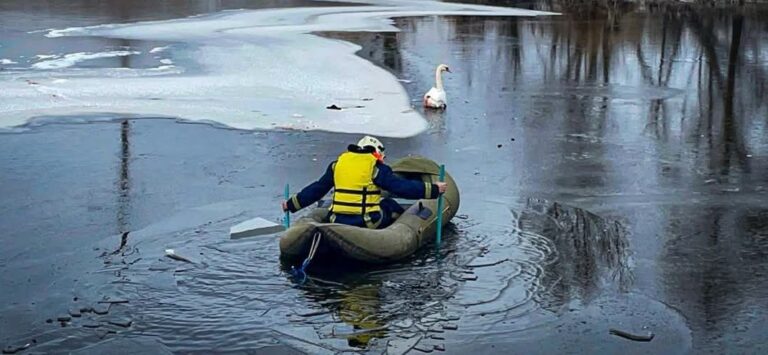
{"x": 441, "y": 186}
{"x": 284, "y": 205}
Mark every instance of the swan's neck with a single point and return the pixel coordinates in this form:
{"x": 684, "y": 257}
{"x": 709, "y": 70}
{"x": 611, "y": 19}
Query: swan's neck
{"x": 439, "y": 79}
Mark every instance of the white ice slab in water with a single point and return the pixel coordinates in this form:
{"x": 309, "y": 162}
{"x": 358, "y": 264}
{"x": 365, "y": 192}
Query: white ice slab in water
{"x": 74, "y": 58}
{"x": 158, "y": 49}
{"x": 260, "y": 69}
{"x": 254, "y": 227}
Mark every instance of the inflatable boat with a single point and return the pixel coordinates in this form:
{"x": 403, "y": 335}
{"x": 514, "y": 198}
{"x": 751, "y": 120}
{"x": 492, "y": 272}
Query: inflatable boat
{"x": 414, "y": 228}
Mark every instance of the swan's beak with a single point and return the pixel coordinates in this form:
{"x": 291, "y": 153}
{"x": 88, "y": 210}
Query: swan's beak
{"x": 448, "y": 69}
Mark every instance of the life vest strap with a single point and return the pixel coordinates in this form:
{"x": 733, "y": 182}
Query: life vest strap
{"x": 349, "y": 204}
{"x": 358, "y": 192}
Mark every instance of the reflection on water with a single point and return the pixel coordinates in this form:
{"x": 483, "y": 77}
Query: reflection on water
{"x": 695, "y": 77}
{"x": 360, "y": 308}
{"x": 657, "y": 116}
{"x": 656, "y": 113}
{"x": 356, "y": 307}
{"x": 116, "y": 11}
{"x": 591, "y": 252}
{"x": 487, "y": 279}
{"x": 398, "y": 301}
{"x": 715, "y": 272}
{"x": 124, "y": 180}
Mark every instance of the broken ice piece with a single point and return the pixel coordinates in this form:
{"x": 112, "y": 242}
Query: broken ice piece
{"x": 172, "y": 254}
{"x": 254, "y": 227}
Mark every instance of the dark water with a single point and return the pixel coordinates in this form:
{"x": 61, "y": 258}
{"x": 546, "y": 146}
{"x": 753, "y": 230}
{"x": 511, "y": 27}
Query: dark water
{"x": 612, "y": 167}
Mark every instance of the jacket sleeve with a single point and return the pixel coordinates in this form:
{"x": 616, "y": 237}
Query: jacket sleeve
{"x": 410, "y": 189}
{"x": 313, "y": 192}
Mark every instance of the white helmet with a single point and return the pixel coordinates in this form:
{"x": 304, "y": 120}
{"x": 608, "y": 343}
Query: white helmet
{"x": 373, "y": 142}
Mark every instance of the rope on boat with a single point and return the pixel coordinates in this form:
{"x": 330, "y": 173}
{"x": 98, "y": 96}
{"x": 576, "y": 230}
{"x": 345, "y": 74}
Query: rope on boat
{"x": 301, "y": 271}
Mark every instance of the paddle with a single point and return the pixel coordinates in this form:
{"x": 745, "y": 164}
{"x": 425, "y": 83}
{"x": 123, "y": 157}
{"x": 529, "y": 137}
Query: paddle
{"x": 441, "y": 178}
{"x": 287, "y": 220}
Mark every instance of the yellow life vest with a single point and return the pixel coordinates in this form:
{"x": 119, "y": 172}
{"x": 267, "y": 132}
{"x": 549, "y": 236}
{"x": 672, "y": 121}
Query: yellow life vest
{"x": 353, "y": 189}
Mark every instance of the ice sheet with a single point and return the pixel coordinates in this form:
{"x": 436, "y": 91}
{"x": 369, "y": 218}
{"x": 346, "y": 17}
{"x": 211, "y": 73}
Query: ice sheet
{"x": 261, "y": 69}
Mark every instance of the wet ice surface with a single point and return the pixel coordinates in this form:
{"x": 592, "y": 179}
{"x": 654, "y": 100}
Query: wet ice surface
{"x": 259, "y": 69}
{"x": 597, "y": 195}
{"x": 497, "y": 278}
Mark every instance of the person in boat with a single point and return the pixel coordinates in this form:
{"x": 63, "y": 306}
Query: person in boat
{"x": 358, "y": 177}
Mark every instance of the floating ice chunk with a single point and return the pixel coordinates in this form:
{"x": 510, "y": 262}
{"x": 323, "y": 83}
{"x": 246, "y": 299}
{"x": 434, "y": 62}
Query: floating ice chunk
{"x": 162, "y": 67}
{"x": 71, "y": 31}
{"x": 7, "y": 61}
{"x": 254, "y": 227}
{"x": 47, "y": 56}
{"x": 158, "y": 49}
{"x": 166, "y": 61}
{"x": 74, "y": 58}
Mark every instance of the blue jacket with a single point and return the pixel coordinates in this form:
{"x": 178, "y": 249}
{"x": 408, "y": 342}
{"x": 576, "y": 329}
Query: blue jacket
{"x": 385, "y": 179}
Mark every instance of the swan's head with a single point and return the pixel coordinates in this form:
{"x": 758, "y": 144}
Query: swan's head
{"x": 442, "y": 68}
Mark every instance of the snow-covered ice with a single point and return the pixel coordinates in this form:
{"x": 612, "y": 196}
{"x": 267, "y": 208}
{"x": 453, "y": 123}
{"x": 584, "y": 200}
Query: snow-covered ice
{"x": 261, "y": 69}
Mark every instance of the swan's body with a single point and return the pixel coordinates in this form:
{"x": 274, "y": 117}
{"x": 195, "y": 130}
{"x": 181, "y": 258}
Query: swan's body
{"x": 435, "y": 97}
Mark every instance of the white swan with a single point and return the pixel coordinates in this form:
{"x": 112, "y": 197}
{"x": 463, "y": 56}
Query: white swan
{"x": 435, "y": 97}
